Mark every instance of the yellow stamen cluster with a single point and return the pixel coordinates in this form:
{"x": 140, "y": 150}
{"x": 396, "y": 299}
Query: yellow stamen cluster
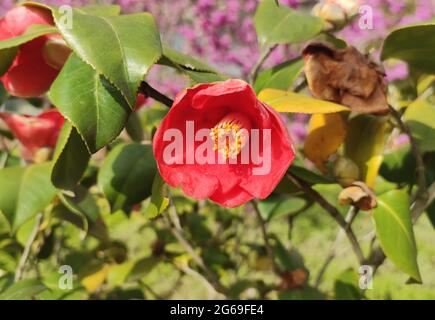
{"x": 228, "y": 138}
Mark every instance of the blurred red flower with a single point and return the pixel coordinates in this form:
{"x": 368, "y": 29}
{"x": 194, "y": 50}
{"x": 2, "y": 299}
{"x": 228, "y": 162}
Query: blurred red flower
{"x": 224, "y": 108}
{"x": 29, "y": 75}
{"x": 35, "y": 132}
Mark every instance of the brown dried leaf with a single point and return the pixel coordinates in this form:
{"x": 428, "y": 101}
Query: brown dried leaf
{"x": 359, "y": 195}
{"x": 347, "y": 77}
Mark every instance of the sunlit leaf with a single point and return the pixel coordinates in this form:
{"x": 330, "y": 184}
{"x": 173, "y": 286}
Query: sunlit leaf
{"x": 25, "y": 192}
{"x": 281, "y": 24}
{"x": 94, "y": 107}
{"x": 286, "y": 101}
{"x": 394, "y": 231}
{"x": 279, "y": 77}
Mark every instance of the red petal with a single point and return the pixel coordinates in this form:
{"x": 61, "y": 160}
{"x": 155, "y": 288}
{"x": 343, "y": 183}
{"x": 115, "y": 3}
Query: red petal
{"x": 29, "y": 75}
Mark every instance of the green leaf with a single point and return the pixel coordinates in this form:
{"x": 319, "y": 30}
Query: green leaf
{"x": 399, "y": 166}
{"x": 195, "y": 69}
{"x": 122, "y": 48}
{"x": 33, "y": 32}
{"x": 278, "y": 205}
{"x": 70, "y": 158}
{"x": 346, "y": 286}
{"x": 286, "y": 101}
{"x": 420, "y": 117}
{"x": 25, "y": 192}
{"x": 126, "y": 175}
{"x": 94, "y": 107}
{"x": 82, "y": 210}
{"x": 394, "y": 231}
{"x": 280, "y": 24}
{"x": 280, "y": 77}
{"x": 23, "y": 290}
{"x": 365, "y": 143}
{"x": 415, "y": 45}
{"x": 134, "y": 128}
{"x": 204, "y": 77}
{"x": 184, "y": 61}
{"x": 158, "y": 202}
{"x": 101, "y": 9}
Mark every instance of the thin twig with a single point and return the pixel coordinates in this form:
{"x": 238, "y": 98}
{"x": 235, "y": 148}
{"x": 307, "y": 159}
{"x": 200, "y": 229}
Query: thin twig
{"x": 351, "y": 214}
{"x": 333, "y": 212}
{"x": 149, "y": 91}
{"x": 178, "y": 233}
{"x": 421, "y": 177}
{"x": 256, "y": 68}
{"x": 27, "y": 247}
{"x": 267, "y": 244}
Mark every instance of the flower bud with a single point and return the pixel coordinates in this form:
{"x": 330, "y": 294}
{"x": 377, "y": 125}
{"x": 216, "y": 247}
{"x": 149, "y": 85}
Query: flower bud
{"x": 335, "y": 12}
{"x": 345, "y": 171}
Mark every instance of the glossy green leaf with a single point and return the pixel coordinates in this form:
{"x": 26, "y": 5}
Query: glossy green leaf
{"x": 23, "y": 290}
{"x": 365, "y": 143}
{"x": 187, "y": 62}
{"x": 415, "y": 45}
{"x": 31, "y": 33}
{"x": 395, "y": 233}
{"x": 420, "y": 117}
{"x": 122, "y": 48}
{"x": 94, "y": 107}
{"x": 70, "y": 158}
{"x": 196, "y": 70}
{"x": 25, "y": 192}
{"x": 158, "y": 202}
{"x": 126, "y": 175}
{"x": 280, "y": 77}
{"x": 280, "y": 24}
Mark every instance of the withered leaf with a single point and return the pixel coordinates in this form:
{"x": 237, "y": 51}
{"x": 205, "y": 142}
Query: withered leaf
{"x": 359, "y": 195}
{"x": 345, "y": 76}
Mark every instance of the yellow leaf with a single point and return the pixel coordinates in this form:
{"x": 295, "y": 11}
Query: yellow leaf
{"x": 365, "y": 145}
{"x": 286, "y": 101}
{"x": 326, "y": 133}
{"x": 95, "y": 280}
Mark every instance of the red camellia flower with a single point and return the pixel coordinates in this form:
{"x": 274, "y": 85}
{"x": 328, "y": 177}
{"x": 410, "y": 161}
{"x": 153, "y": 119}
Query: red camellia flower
{"x": 35, "y": 132}
{"x": 29, "y": 75}
{"x": 218, "y": 141}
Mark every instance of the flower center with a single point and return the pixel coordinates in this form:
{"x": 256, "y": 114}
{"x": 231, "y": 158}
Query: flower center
{"x": 230, "y": 134}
